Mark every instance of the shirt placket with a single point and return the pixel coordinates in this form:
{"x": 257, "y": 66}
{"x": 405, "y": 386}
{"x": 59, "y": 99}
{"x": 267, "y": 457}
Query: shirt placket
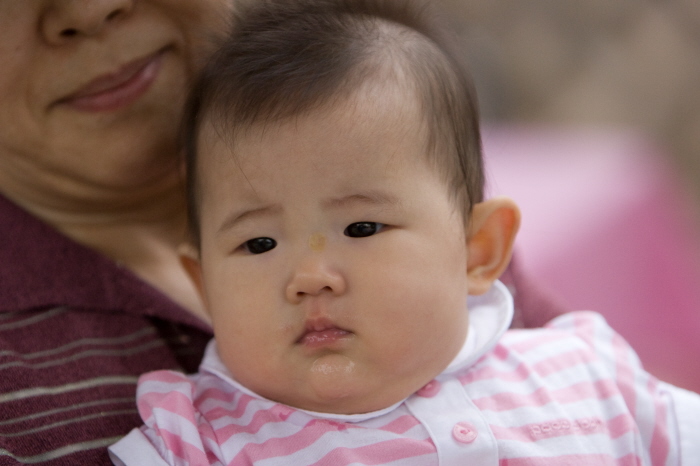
{"x": 456, "y": 426}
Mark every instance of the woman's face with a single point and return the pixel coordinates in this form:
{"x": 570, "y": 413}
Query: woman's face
{"x": 91, "y": 91}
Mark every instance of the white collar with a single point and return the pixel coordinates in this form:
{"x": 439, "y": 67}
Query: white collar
{"x": 490, "y": 316}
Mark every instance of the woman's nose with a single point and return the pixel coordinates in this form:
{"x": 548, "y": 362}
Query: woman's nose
{"x": 314, "y": 277}
{"x": 64, "y": 20}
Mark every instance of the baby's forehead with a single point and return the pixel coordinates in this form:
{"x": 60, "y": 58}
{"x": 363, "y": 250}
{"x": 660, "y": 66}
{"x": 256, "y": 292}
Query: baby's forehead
{"x": 360, "y": 142}
{"x": 343, "y": 113}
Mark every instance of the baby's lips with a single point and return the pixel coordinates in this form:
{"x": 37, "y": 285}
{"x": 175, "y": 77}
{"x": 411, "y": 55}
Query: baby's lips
{"x": 325, "y": 337}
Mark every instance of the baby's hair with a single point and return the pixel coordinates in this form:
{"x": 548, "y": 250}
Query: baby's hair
{"x": 285, "y": 58}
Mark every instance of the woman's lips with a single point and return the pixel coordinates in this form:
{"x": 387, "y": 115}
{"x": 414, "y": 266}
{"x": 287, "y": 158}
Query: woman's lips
{"x": 117, "y": 90}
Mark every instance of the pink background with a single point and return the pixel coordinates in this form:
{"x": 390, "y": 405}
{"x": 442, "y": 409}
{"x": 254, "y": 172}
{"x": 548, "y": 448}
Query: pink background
{"x": 607, "y": 227}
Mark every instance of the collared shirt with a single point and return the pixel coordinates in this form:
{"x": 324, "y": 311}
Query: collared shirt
{"x": 76, "y": 331}
{"x": 572, "y": 393}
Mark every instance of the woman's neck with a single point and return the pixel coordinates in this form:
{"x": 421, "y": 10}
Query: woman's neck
{"x": 139, "y": 228}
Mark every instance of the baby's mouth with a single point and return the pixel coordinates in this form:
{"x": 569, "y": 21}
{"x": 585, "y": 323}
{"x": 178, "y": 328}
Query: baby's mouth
{"x": 321, "y": 333}
{"x": 327, "y": 337}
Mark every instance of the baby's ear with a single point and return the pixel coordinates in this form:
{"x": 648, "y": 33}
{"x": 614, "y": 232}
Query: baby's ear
{"x": 492, "y": 229}
{"x": 189, "y": 258}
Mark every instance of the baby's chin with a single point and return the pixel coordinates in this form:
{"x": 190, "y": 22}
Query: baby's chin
{"x": 336, "y": 384}
{"x": 332, "y": 381}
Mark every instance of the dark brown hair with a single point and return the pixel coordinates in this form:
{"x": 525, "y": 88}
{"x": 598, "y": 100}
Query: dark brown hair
{"x": 286, "y": 57}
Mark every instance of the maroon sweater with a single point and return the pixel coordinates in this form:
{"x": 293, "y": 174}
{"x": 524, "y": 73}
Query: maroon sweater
{"x": 76, "y": 331}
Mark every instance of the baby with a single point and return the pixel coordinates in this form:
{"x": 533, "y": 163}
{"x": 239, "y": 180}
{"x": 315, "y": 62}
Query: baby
{"x": 349, "y": 265}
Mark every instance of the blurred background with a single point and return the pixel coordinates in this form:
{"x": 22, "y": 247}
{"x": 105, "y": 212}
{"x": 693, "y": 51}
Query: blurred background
{"x": 592, "y": 123}
{"x": 599, "y": 62}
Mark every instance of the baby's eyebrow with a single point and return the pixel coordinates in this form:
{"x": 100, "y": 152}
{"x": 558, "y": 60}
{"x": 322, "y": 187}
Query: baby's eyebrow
{"x": 239, "y": 216}
{"x": 375, "y": 198}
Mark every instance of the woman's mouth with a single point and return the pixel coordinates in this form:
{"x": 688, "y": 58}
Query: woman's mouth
{"x": 113, "y": 91}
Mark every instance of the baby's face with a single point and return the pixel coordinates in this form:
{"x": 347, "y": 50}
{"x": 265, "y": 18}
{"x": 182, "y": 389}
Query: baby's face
{"x": 333, "y": 258}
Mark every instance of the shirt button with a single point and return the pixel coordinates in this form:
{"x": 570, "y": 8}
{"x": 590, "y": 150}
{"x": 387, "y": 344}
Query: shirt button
{"x": 464, "y": 432}
{"x": 430, "y": 389}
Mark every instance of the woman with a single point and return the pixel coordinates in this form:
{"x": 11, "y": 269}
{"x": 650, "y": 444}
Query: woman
{"x": 90, "y": 97}
{"x": 91, "y": 214}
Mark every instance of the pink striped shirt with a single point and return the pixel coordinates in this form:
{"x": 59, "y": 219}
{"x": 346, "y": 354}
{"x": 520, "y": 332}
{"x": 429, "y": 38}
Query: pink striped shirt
{"x": 572, "y": 393}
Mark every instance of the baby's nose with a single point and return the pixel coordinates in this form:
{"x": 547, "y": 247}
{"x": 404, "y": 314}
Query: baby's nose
{"x": 313, "y": 277}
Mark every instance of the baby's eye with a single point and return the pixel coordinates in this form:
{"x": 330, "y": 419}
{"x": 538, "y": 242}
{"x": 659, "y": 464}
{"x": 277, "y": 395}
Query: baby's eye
{"x": 259, "y": 245}
{"x": 363, "y": 229}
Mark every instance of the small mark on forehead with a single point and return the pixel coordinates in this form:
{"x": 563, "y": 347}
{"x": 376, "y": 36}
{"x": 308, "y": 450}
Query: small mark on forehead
{"x": 317, "y": 242}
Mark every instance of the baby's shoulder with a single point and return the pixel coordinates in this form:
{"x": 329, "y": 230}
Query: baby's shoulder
{"x": 577, "y": 376}
{"x": 575, "y": 346}
{"x": 582, "y": 334}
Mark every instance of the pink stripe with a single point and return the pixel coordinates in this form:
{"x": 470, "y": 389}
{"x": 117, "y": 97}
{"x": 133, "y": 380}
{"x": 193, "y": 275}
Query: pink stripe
{"x": 164, "y": 377}
{"x": 306, "y": 436}
{"x": 401, "y": 425}
{"x": 174, "y": 402}
{"x": 563, "y": 361}
{"x": 149, "y": 393}
{"x": 181, "y": 448}
{"x": 232, "y": 408}
{"x": 622, "y": 425}
{"x": 517, "y": 434}
{"x": 285, "y": 446}
{"x": 573, "y": 460}
{"x": 506, "y": 401}
{"x": 212, "y": 459}
{"x": 537, "y": 339}
{"x": 625, "y": 373}
{"x": 479, "y": 374}
{"x": 660, "y": 447}
{"x": 378, "y": 453}
{"x": 500, "y": 352}
{"x": 259, "y": 420}
{"x": 178, "y": 404}
{"x": 582, "y": 326}
{"x": 216, "y": 394}
{"x": 206, "y": 431}
{"x": 544, "y": 368}
{"x": 212, "y": 395}
{"x": 585, "y": 324}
